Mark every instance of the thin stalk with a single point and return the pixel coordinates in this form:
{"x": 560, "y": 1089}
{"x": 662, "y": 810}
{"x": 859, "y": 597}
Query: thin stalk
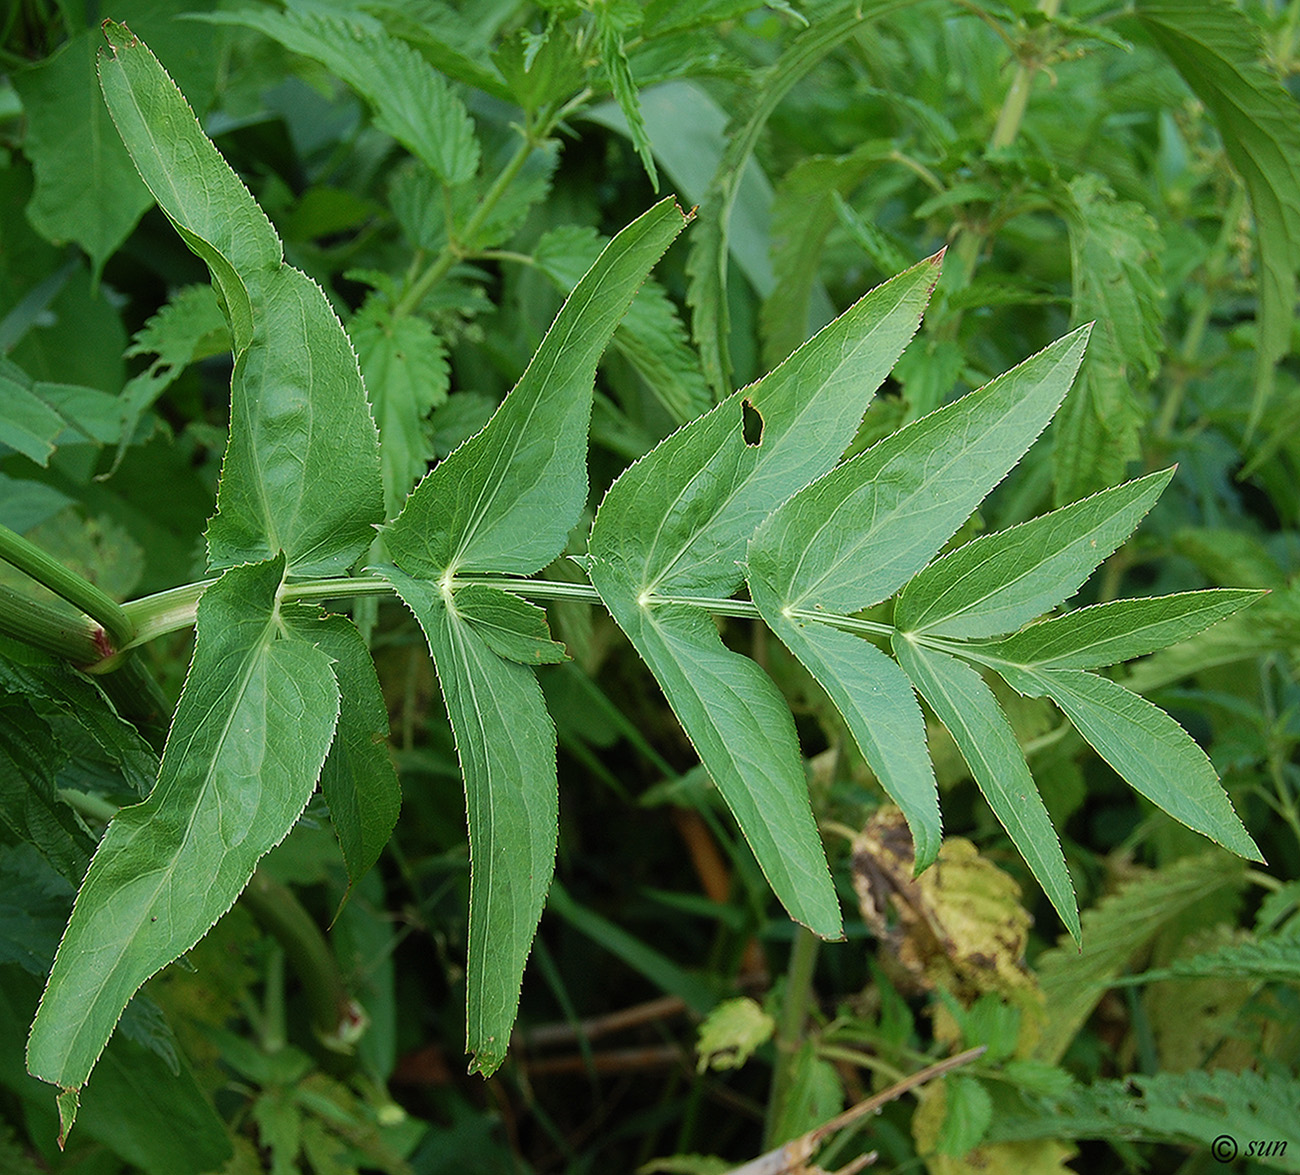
{"x": 79, "y": 592}
{"x": 795, "y": 1003}
{"x": 336, "y": 1017}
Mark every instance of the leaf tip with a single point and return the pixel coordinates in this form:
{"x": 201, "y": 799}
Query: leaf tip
{"x": 118, "y": 35}
{"x": 68, "y": 1101}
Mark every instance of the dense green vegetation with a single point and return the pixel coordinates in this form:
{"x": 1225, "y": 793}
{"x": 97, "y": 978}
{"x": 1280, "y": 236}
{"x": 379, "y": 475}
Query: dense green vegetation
{"x": 670, "y": 616}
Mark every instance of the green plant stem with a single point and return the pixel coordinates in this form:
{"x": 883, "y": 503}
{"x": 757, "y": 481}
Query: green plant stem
{"x": 79, "y": 592}
{"x": 174, "y": 609}
{"x": 1011, "y": 116}
{"x": 336, "y": 1018}
{"x": 795, "y": 1002}
{"x": 453, "y": 252}
{"x": 51, "y": 627}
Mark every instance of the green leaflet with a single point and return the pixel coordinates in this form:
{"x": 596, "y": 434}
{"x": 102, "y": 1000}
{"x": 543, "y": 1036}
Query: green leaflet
{"x": 1149, "y": 749}
{"x": 27, "y": 423}
{"x": 998, "y": 582}
{"x": 624, "y": 86}
{"x": 876, "y": 700}
{"x": 651, "y": 337}
{"x": 254, "y": 722}
{"x": 512, "y": 628}
{"x": 301, "y": 472}
{"x": 211, "y": 209}
{"x": 1216, "y": 49}
{"x": 358, "y": 779}
{"x": 1106, "y": 634}
{"x": 506, "y": 743}
{"x": 967, "y": 707}
{"x": 506, "y": 499}
{"x": 855, "y": 536}
{"x": 412, "y": 101}
{"x": 1266, "y": 960}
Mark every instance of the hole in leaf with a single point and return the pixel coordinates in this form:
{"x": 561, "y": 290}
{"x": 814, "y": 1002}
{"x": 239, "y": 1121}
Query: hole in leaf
{"x": 752, "y": 424}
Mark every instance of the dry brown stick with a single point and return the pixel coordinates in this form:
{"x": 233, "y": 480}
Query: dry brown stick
{"x": 595, "y": 1027}
{"x": 791, "y": 1156}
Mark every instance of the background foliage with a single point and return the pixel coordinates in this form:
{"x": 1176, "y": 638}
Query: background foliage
{"x": 1136, "y": 167}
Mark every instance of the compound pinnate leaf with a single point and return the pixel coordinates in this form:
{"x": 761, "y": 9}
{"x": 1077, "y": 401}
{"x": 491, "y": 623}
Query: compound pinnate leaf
{"x": 877, "y": 702}
{"x": 1106, "y": 634}
{"x": 1151, "y": 751}
{"x": 858, "y": 534}
{"x": 506, "y": 743}
{"x": 967, "y": 707}
{"x": 301, "y": 472}
{"x": 998, "y": 582}
{"x": 255, "y": 720}
{"x": 357, "y": 780}
{"x": 506, "y": 499}
{"x": 211, "y": 209}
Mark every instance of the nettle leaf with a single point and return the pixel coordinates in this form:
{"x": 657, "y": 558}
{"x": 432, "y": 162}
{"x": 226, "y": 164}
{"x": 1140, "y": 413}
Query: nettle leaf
{"x": 1216, "y": 48}
{"x": 1115, "y": 272}
{"x": 301, "y": 472}
{"x": 506, "y": 743}
{"x": 506, "y": 499}
{"x": 998, "y": 582}
{"x": 964, "y": 703}
{"x": 254, "y": 722}
{"x": 715, "y": 488}
{"x": 406, "y": 374}
{"x": 358, "y": 779}
{"x": 411, "y": 100}
{"x": 1155, "y": 755}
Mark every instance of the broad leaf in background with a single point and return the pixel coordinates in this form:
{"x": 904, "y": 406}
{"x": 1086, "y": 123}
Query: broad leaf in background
{"x": 506, "y": 743}
{"x": 1115, "y": 273}
{"x": 676, "y": 524}
{"x": 301, "y": 472}
{"x": 998, "y": 582}
{"x": 412, "y": 101}
{"x": 1216, "y": 49}
{"x": 255, "y": 720}
{"x": 506, "y": 499}
{"x": 98, "y": 202}
{"x": 967, "y": 707}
